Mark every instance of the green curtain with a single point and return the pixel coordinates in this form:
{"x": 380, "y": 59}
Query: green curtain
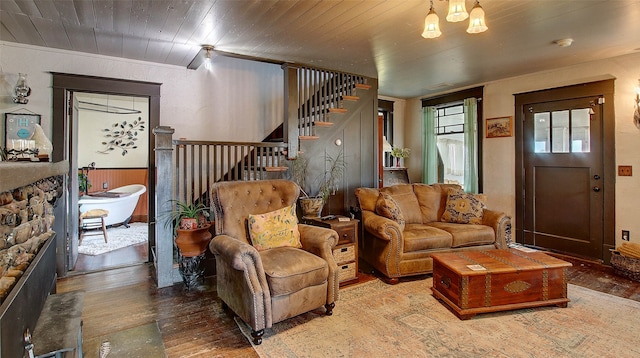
{"x": 429, "y": 147}
{"x": 470, "y": 145}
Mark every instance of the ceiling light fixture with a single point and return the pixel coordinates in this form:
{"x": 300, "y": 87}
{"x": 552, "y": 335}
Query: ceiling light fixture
{"x": 457, "y": 12}
{"x": 476, "y": 19}
{"x": 431, "y": 24}
{"x": 207, "y": 58}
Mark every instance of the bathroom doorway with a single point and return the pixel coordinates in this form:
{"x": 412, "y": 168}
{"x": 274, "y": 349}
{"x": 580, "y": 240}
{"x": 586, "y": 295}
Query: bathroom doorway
{"x": 68, "y": 92}
{"x": 112, "y": 157}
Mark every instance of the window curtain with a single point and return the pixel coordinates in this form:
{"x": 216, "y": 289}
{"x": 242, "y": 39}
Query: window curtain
{"x": 470, "y": 145}
{"x": 429, "y": 146}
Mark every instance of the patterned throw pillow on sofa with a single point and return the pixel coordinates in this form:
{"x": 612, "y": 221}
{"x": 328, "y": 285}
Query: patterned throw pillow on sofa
{"x": 463, "y": 208}
{"x": 275, "y": 229}
{"x": 386, "y": 206}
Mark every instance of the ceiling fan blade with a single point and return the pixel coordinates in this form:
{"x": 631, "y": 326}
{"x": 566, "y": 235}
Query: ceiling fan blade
{"x": 198, "y": 60}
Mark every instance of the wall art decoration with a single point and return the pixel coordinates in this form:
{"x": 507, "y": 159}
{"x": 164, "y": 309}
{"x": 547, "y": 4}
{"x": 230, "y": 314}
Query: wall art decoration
{"x": 122, "y": 136}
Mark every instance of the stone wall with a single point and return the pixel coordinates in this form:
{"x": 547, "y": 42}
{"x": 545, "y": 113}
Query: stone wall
{"x": 26, "y": 222}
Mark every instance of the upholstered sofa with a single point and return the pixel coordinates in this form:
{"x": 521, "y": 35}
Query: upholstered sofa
{"x": 403, "y": 225}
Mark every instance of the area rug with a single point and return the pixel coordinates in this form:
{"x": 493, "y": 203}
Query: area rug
{"x": 117, "y": 238}
{"x": 404, "y": 320}
{"x": 139, "y": 342}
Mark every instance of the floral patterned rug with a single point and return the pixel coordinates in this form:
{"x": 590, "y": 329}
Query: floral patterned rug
{"x": 374, "y": 319}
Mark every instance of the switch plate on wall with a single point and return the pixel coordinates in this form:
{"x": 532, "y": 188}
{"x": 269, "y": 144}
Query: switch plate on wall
{"x": 624, "y": 170}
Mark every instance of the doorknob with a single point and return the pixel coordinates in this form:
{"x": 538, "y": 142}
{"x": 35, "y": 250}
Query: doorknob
{"x": 596, "y": 177}
{"x": 596, "y": 189}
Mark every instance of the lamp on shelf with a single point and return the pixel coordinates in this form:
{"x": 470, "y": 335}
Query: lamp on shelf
{"x": 22, "y": 90}
{"x": 457, "y": 12}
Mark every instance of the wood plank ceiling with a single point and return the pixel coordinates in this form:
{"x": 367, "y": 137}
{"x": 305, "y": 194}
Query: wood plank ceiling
{"x": 376, "y": 38}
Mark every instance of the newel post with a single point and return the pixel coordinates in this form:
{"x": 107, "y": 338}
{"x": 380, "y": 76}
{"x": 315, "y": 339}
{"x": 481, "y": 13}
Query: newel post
{"x": 163, "y": 258}
{"x": 291, "y": 109}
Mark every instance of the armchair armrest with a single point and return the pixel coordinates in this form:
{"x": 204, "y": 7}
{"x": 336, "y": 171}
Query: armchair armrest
{"x": 241, "y": 281}
{"x": 501, "y": 224}
{"x": 320, "y": 241}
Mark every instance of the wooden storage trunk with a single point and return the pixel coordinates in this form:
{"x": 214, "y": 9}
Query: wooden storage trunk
{"x": 472, "y": 282}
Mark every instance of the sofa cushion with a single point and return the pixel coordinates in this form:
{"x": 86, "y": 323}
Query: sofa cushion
{"x": 275, "y": 229}
{"x": 419, "y": 237}
{"x": 386, "y": 206}
{"x": 367, "y": 198}
{"x": 289, "y": 270}
{"x": 463, "y": 208}
{"x": 467, "y": 234}
{"x": 405, "y": 197}
{"x": 444, "y": 193}
{"x": 429, "y": 198}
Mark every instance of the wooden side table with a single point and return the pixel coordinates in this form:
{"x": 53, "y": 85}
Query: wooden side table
{"x": 346, "y": 251}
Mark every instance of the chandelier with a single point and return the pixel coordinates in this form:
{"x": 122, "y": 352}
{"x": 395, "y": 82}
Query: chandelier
{"x": 457, "y": 12}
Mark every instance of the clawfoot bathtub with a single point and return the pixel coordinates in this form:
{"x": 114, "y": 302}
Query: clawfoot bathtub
{"x": 120, "y": 202}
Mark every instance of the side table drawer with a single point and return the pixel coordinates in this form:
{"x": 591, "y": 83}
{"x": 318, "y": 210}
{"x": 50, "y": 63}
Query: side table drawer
{"x": 346, "y": 235}
{"x": 344, "y": 254}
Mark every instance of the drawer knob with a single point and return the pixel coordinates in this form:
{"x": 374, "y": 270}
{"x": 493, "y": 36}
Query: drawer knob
{"x": 344, "y": 249}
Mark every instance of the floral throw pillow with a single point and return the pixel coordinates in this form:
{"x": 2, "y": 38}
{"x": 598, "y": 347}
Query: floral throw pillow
{"x": 463, "y": 208}
{"x": 277, "y": 228}
{"x": 386, "y": 206}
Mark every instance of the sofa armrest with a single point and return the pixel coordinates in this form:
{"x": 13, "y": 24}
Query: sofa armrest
{"x": 380, "y": 227}
{"x": 501, "y": 224}
{"x": 320, "y": 241}
{"x": 382, "y": 243}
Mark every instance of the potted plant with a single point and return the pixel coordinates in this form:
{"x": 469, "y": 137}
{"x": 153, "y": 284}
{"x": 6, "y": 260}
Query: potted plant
{"x": 400, "y": 153}
{"x": 190, "y": 222}
{"x": 326, "y": 182}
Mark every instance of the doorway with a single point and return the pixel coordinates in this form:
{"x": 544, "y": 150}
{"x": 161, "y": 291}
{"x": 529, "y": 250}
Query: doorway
{"x": 564, "y": 181}
{"x": 65, "y": 125}
{"x": 112, "y": 158}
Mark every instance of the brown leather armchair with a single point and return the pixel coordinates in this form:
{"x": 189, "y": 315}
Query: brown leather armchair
{"x": 266, "y": 287}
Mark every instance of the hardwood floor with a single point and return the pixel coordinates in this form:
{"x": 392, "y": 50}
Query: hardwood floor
{"x": 126, "y": 256}
{"x": 193, "y": 324}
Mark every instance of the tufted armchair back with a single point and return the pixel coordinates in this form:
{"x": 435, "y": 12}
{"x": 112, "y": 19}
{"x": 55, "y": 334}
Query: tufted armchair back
{"x": 233, "y": 201}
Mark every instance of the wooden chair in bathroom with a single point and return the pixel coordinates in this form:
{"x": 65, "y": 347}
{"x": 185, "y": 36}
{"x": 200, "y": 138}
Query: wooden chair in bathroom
{"x": 93, "y": 219}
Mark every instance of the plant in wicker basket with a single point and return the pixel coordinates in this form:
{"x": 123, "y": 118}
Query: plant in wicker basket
{"x": 324, "y": 184}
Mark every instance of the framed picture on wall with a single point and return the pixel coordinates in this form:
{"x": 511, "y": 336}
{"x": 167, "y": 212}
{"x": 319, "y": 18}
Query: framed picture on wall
{"x": 499, "y": 127}
{"x": 19, "y": 126}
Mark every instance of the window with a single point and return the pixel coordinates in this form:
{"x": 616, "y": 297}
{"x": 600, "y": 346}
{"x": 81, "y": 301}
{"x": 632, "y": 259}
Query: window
{"x": 458, "y": 148}
{"x": 565, "y": 131}
{"x": 449, "y": 121}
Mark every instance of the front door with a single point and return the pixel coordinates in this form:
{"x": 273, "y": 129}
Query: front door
{"x": 563, "y": 176}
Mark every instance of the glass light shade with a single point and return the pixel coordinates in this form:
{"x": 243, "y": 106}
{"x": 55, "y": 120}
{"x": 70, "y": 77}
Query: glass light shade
{"x": 431, "y": 25}
{"x": 476, "y": 20}
{"x": 457, "y": 11}
{"x": 22, "y": 90}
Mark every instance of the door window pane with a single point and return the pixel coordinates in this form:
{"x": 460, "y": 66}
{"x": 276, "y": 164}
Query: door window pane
{"x": 541, "y": 130}
{"x": 560, "y": 132}
{"x": 580, "y": 130}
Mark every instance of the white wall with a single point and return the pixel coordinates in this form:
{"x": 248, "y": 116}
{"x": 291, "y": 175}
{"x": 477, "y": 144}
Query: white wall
{"x": 92, "y": 125}
{"x": 238, "y": 100}
{"x": 499, "y": 153}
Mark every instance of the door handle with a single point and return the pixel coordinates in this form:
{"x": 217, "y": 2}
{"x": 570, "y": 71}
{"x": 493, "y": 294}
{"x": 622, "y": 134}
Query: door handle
{"x": 596, "y": 189}
{"x": 596, "y": 177}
